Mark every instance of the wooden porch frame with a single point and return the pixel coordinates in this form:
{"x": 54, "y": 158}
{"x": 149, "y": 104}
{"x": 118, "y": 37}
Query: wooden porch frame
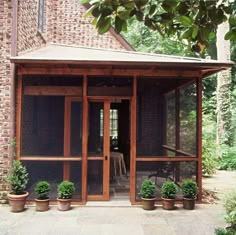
{"x": 85, "y": 98}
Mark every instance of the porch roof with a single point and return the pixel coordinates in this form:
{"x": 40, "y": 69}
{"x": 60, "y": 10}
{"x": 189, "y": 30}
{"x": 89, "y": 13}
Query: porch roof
{"x": 64, "y": 54}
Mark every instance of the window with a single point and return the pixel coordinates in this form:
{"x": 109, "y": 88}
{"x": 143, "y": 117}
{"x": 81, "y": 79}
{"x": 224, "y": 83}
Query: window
{"x": 113, "y": 123}
{"x": 41, "y": 16}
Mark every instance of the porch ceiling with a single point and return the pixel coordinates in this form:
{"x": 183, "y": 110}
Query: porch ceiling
{"x": 80, "y": 56}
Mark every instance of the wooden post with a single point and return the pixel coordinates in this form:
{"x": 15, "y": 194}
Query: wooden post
{"x": 67, "y": 129}
{"x": 106, "y": 144}
{"x": 19, "y": 117}
{"x": 199, "y": 136}
{"x": 85, "y": 141}
{"x": 133, "y": 142}
{"x": 177, "y": 132}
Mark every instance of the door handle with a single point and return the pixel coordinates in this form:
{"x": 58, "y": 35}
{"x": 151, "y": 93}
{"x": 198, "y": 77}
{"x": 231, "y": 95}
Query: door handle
{"x": 106, "y": 158}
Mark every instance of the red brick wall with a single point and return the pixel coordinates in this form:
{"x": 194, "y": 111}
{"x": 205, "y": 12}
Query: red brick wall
{"x": 65, "y": 24}
{"x": 5, "y": 85}
{"x": 71, "y": 27}
{"x": 28, "y": 36}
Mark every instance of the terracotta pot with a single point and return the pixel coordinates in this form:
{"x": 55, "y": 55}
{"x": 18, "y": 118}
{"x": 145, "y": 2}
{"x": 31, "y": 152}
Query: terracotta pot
{"x": 17, "y": 202}
{"x": 42, "y": 204}
{"x": 168, "y": 204}
{"x": 148, "y": 203}
{"x": 189, "y": 203}
{"x": 63, "y": 204}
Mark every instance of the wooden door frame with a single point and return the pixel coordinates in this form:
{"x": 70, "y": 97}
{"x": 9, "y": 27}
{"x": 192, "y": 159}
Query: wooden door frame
{"x": 67, "y": 133}
{"x": 106, "y": 151}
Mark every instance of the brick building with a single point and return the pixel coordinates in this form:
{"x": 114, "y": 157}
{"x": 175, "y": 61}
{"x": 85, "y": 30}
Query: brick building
{"x": 104, "y": 118}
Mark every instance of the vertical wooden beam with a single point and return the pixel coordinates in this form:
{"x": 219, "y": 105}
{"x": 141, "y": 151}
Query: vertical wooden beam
{"x": 85, "y": 141}
{"x": 165, "y": 124}
{"x": 67, "y": 130}
{"x": 133, "y": 125}
{"x": 177, "y": 132}
{"x": 199, "y": 136}
{"x": 106, "y": 152}
{"x": 177, "y": 119}
{"x": 19, "y": 117}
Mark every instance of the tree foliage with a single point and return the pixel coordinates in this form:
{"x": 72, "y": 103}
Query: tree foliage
{"x": 194, "y": 20}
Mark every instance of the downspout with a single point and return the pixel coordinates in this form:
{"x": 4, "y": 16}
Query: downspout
{"x": 13, "y": 73}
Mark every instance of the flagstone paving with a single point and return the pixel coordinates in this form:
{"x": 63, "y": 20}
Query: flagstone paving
{"x": 119, "y": 218}
{"x": 94, "y": 220}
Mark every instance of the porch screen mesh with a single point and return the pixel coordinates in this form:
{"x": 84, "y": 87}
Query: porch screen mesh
{"x": 43, "y": 125}
{"x": 149, "y": 119}
{"x": 170, "y": 119}
{"x": 188, "y": 119}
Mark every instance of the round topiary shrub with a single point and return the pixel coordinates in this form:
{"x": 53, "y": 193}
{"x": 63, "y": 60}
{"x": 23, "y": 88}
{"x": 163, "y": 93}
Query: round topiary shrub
{"x": 169, "y": 190}
{"x": 189, "y": 188}
{"x": 65, "y": 189}
{"x": 42, "y": 190}
{"x": 148, "y": 189}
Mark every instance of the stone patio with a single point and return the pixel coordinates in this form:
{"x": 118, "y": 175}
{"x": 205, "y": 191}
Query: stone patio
{"x": 113, "y": 219}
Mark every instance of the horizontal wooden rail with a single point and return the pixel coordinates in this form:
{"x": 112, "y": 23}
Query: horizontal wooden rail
{"x": 164, "y": 159}
{"x": 95, "y": 158}
{"x": 178, "y": 151}
{"x": 56, "y": 158}
{"x": 52, "y": 91}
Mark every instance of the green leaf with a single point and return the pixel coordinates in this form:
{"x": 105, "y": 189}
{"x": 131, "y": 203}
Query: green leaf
{"x": 212, "y": 36}
{"x": 104, "y": 25}
{"x": 186, "y": 34}
{"x": 228, "y": 35}
{"x": 123, "y": 13}
{"x": 125, "y": 26}
{"x": 129, "y": 5}
{"x": 140, "y": 3}
{"x": 152, "y": 9}
{"x": 185, "y": 20}
{"x": 84, "y": 1}
{"x": 90, "y": 10}
{"x": 195, "y": 32}
{"x": 232, "y": 20}
{"x": 139, "y": 15}
{"x": 118, "y": 24}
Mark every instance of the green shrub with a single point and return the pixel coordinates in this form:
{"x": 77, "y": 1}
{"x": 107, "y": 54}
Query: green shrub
{"x": 148, "y": 189}
{"x": 230, "y": 218}
{"x": 42, "y": 189}
{"x": 18, "y": 178}
{"x": 228, "y": 160}
{"x": 65, "y": 189}
{"x": 169, "y": 190}
{"x": 189, "y": 188}
{"x": 230, "y": 208}
{"x": 221, "y": 231}
{"x": 209, "y": 156}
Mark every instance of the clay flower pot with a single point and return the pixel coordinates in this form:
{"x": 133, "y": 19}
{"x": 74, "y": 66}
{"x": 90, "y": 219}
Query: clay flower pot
{"x": 63, "y": 204}
{"x": 189, "y": 203}
{"x": 168, "y": 204}
{"x": 17, "y": 202}
{"x": 148, "y": 203}
{"x": 42, "y": 204}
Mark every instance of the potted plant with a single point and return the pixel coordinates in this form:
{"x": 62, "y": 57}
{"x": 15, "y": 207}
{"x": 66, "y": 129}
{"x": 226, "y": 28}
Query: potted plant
{"x": 18, "y": 179}
{"x": 190, "y": 191}
{"x": 42, "y": 190}
{"x": 147, "y": 192}
{"x": 168, "y": 192}
{"x": 65, "y": 191}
